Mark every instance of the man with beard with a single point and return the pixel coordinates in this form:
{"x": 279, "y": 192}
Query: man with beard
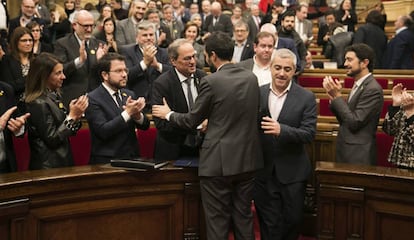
{"x": 230, "y": 153}
{"x": 78, "y": 64}
{"x": 126, "y": 29}
{"x": 358, "y": 116}
{"x": 113, "y": 113}
{"x": 179, "y": 86}
{"x": 287, "y": 30}
{"x": 260, "y": 63}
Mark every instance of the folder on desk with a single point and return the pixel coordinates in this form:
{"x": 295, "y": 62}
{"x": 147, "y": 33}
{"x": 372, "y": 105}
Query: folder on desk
{"x": 139, "y": 163}
{"x": 186, "y": 162}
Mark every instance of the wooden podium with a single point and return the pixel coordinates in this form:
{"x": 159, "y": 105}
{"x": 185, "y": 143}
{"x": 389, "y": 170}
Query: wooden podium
{"x": 94, "y": 202}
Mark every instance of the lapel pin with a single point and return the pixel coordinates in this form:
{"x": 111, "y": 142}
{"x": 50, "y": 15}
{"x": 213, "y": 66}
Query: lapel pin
{"x": 124, "y": 94}
{"x": 92, "y": 51}
{"x": 1, "y": 93}
{"x": 61, "y": 105}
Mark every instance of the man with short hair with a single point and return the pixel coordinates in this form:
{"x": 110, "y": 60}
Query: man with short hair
{"x": 288, "y": 124}
{"x": 217, "y": 21}
{"x": 126, "y": 29}
{"x": 114, "y": 113}
{"x": 254, "y": 21}
{"x": 205, "y": 10}
{"x": 180, "y": 87}
{"x": 162, "y": 33}
{"x": 287, "y": 30}
{"x": 303, "y": 26}
{"x": 145, "y": 61}
{"x": 243, "y": 47}
{"x": 358, "y": 115}
{"x": 260, "y": 63}
{"x": 79, "y": 52}
{"x": 230, "y": 153}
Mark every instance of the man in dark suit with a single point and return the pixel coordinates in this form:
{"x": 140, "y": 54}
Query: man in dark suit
{"x": 113, "y": 113}
{"x": 400, "y": 49}
{"x": 289, "y": 116}
{"x": 162, "y": 33}
{"x": 359, "y": 115}
{"x": 230, "y": 153}
{"x": 172, "y": 142}
{"x": 8, "y": 126}
{"x": 217, "y": 21}
{"x": 254, "y": 21}
{"x": 79, "y": 52}
{"x": 243, "y": 47}
{"x": 145, "y": 61}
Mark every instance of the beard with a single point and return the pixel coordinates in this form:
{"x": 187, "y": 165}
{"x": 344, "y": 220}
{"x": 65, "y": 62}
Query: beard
{"x": 353, "y": 73}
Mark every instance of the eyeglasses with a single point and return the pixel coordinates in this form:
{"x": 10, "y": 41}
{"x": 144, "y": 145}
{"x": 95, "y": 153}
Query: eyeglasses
{"x": 240, "y": 30}
{"x": 26, "y": 40}
{"x": 119, "y": 71}
{"x": 86, "y": 26}
{"x": 189, "y": 58}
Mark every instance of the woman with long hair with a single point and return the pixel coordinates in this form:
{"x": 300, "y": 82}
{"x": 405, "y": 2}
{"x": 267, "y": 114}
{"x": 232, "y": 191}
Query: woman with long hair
{"x": 15, "y": 65}
{"x": 191, "y": 32}
{"x": 50, "y": 124}
{"x": 105, "y": 13}
{"x": 38, "y": 44}
{"x": 346, "y": 15}
{"x": 60, "y": 23}
{"x": 108, "y": 33}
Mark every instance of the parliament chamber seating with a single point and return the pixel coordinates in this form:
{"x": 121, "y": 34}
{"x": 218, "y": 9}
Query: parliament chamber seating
{"x": 406, "y": 82}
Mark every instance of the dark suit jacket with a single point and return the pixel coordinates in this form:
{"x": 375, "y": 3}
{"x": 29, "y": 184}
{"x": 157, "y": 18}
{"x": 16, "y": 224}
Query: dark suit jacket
{"x": 48, "y": 135}
{"x": 224, "y": 24}
{"x": 111, "y": 136}
{"x": 248, "y": 51}
{"x": 78, "y": 81}
{"x": 286, "y": 154}
{"x": 300, "y": 46}
{"x": 253, "y": 30}
{"x": 373, "y": 36}
{"x": 7, "y": 100}
{"x": 15, "y": 22}
{"x": 170, "y": 139}
{"x": 229, "y": 99}
{"x": 358, "y": 121}
{"x": 11, "y": 73}
{"x": 141, "y": 81}
{"x": 400, "y": 50}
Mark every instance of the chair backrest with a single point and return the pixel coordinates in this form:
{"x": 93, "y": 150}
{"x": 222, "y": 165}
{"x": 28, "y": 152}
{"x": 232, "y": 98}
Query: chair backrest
{"x": 385, "y": 108}
{"x": 349, "y": 82}
{"x": 146, "y": 140}
{"x": 384, "y": 144}
{"x": 406, "y": 82}
{"x": 324, "y": 107}
{"x": 307, "y": 81}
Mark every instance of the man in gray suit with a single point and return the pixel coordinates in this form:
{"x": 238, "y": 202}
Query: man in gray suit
{"x": 288, "y": 123}
{"x": 230, "y": 153}
{"x": 126, "y": 31}
{"x": 359, "y": 115}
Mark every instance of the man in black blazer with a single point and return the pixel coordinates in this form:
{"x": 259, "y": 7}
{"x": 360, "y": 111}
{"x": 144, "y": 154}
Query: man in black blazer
{"x": 243, "y": 47}
{"x": 8, "y": 126}
{"x": 288, "y": 123}
{"x": 172, "y": 142}
{"x": 230, "y": 153}
{"x": 217, "y": 21}
{"x": 79, "y": 52}
{"x": 145, "y": 61}
{"x": 113, "y": 113}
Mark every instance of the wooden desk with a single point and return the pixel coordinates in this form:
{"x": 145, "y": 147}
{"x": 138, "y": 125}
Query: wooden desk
{"x": 364, "y": 202}
{"x": 92, "y": 202}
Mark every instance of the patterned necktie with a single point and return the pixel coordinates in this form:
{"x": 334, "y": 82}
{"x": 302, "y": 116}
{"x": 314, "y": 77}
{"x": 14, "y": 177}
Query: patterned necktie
{"x": 354, "y": 89}
{"x": 118, "y": 99}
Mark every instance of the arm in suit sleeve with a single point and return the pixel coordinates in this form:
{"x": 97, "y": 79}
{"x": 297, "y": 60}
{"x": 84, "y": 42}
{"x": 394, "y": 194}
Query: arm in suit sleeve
{"x": 103, "y": 127}
{"x": 120, "y": 33}
{"x": 42, "y": 120}
{"x": 305, "y": 132}
{"x": 200, "y": 111}
{"x": 359, "y": 36}
{"x": 136, "y": 73}
{"x": 369, "y": 103}
{"x": 61, "y": 52}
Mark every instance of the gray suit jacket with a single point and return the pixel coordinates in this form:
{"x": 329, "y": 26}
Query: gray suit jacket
{"x": 286, "y": 154}
{"x": 229, "y": 99}
{"x": 126, "y": 32}
{"x": 358, "y": 121}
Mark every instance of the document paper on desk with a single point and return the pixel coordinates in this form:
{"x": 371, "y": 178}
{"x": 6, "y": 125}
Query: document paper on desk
{"x": 138, "y": 163}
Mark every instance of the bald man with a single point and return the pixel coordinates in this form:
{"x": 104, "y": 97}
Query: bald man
{"x": 217, "y": 21}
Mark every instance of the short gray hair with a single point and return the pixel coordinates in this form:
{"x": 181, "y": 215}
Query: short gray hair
{"x": 173, "y": 47}
{"x": 145, "y": 25}
{"x": 285, "y": 53}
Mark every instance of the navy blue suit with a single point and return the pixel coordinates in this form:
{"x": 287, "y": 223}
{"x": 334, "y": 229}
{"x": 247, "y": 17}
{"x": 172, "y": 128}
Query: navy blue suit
{"x": 280, "y": 186}
{"x": 400, "y": 51}
{"x": 141, "y": 81}
{"x": 111, "y": 136}
{"x": 289, "y": 44}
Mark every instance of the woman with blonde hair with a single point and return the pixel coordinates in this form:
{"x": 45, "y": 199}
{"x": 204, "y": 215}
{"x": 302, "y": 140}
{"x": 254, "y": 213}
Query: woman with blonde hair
{"x": 60, "y": 22}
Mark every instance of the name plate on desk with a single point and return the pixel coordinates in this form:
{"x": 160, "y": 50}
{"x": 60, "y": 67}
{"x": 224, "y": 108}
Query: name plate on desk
{"x": 139, "y": 163}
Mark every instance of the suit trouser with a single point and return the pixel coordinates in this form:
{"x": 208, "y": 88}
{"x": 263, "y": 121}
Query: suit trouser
{"x": 279, "y": 208}
{"x": 227, "y": 200}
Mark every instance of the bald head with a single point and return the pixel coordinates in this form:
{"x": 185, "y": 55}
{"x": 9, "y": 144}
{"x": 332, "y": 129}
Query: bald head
{"x": 83, "y": 24}
{"x": 270, "y": 28}
{"x": 216, "y": 8}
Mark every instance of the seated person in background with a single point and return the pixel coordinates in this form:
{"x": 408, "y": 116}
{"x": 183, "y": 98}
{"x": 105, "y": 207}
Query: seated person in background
{"x": 8, "y": 126}
{"x": 399, "y": 122}
{"x": 50, "y": 124}
{"x": 114, "y": 113}
{"x": 310, "y": 64}
{"x": 179, "y": 86}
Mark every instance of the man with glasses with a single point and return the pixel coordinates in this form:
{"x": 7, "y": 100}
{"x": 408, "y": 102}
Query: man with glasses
{"x": 28, "y": 10}
{"x": 78, "y": 64}
{"x": 243, "y": 47}
{"x": 114, "y": 113}
{"x": 179, "y": 86}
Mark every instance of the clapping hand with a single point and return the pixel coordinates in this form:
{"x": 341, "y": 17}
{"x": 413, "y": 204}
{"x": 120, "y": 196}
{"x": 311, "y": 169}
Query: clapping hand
{"x": 332, "y": 86}
{"x": 397, "y": 91}
{"x": 77, "y": 107}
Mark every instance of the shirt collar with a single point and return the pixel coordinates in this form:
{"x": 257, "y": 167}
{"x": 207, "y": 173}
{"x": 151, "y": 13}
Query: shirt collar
{"x": 283, "y": 93}
{"x": 361, "y": 80}
{"x": 400, "y": 30}
{"x": 181, "y": 77}
{"x": 110, "y": 90}
{"x": 257, "y": 65}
